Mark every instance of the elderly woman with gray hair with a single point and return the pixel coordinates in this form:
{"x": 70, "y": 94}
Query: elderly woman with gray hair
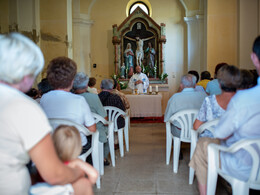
{"x": 214, "y": 106}
{"x": 25, "y": 132}
{"x": 80, "y": 86}
{"x": 109, "y": 99}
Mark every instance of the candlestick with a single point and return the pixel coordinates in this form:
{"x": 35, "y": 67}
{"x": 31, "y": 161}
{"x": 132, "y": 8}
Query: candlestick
{"x": 156, "y": 88}
{"x": 150, "y": 88}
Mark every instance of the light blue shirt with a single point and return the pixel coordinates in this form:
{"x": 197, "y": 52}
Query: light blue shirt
{"x": 213, "y": 87}
{"x": 240, "y": 121}
{"x": 188, "y": 98}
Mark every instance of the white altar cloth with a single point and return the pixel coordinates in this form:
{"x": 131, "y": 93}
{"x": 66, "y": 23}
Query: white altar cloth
{"x": 145, "y": 105}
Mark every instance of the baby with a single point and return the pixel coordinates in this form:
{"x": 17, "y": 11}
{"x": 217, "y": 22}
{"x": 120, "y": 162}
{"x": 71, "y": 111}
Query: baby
{"x": 67, "y": 143}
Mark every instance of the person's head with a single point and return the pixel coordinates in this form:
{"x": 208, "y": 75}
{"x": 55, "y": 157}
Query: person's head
{"x": 218, "y": 66}
{"x": 128, "y": 46}
{"x": 33, "y": 93}
{"x": 107, "y": 84}
{"x": 150, "y": 45}
{"x": 188, "y": 81}
{"x": 229, "y": 78}
{"x": 80, "y": 81}
{"x": 205, "y": 75}
{"x": 92, "y": 82}
{"x": 115, "y": 84}
{"x": 196, "y": 74}
{"x": 67, "y": 142}
{"x": 255, "y": 55}
{"x": 61, "y": 72}
{"x": 254, "y": 72}
{"x": 247, "y": 79}
{"x": 20, "y": 60}
{"x": 138, "y": 69}
{"x": 44, "y": 86}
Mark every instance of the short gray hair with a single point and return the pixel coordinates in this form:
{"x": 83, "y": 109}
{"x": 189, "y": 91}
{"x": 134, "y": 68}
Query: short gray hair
{"x": 188, "y": 80}
{"x": 80, "y": 81}
{"x": 19, "y": 57}
{"x": 107, "y": 84}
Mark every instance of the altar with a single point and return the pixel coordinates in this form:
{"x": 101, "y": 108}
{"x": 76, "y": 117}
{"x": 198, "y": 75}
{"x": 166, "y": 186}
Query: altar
{"x": 145, "y": 105}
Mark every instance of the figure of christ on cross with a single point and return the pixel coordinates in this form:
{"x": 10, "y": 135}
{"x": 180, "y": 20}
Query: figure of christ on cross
{"x": 139, "y": 53}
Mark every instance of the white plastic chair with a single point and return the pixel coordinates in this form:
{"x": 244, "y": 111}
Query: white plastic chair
{"x": 238, "y": 187}
{"x": 185, "y": 118}
{"x": 94, "y": 150}
{"x": 210, "y": 126}
{"x": 113, "y": 114}
{"x": 110, "y": 124}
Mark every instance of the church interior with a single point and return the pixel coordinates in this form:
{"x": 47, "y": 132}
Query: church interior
{"x": 189, "y": 35}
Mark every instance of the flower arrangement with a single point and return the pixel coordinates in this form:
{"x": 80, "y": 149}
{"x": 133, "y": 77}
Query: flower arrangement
{"x": 163, "y": 76}
{"x": 123, "y": 85}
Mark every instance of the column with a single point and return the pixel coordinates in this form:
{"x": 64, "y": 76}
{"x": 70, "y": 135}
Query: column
{"x": 193, "y": 43}
{"x": 82, "y": 42}
{"x": 201, "y": 42}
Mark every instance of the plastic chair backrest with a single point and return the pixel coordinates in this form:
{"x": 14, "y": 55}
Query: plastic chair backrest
{"x": 252, "y": 146}
{"x": 186, "y": 119}
{"x": 113, "y": 113}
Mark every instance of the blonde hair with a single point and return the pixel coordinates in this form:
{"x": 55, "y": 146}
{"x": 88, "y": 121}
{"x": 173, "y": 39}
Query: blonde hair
{"x": 67, "y": 142}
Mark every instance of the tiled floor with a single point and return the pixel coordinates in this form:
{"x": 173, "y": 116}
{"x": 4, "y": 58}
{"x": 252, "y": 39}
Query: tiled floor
{"x": 143, "y": 170}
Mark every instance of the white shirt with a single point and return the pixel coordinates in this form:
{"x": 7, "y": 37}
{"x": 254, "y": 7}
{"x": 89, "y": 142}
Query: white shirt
{"x": 23, "y": 124}
{"x": 142, "y": 87}
{"x": 62, "y": 104}
{"x": 240, "y": 121}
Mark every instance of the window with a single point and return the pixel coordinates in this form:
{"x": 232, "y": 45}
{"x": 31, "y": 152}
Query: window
{"x": 140, "y": 4}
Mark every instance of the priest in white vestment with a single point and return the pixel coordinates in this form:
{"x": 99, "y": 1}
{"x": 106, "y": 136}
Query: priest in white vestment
{"x": 139, "y": 81}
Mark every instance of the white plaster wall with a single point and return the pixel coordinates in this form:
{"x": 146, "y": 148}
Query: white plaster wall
{"x": 26, "y": 15}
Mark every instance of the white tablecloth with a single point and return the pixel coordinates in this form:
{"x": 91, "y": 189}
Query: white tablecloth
{"x": 145, "y": 105}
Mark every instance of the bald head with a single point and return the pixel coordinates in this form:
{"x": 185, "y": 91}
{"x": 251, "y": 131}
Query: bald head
{"x": 138, "y": 69}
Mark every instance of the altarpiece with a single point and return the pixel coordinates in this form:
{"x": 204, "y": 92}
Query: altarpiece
{"x": 139, "y": 40}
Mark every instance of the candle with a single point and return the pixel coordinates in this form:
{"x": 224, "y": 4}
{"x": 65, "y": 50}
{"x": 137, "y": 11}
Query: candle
{"x": 150, "y": 88}
{"x": 156, "y": 88}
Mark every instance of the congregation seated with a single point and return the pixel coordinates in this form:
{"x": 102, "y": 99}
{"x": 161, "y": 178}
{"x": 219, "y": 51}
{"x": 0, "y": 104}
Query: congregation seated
{"x": 213, "y": 86}
{"x": 80, "y": 86}
{"x": 109, "y": 99}
{"x": 239, "y": 122}
{"x": 188, "y": 98}
{"x": 196, "y": 74}
{"x": 116, "y": 90}
{"x": 25, "y": 130}
{"x": 61, "y": 103}
{"x": 247, "y": 79}
{"x": 33, "y": 93}
{"x": 214, "y": 106}
{"x": 91, "y": 85}
{"x": 44, "y": 86}
{"x": 204, "y": 79}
